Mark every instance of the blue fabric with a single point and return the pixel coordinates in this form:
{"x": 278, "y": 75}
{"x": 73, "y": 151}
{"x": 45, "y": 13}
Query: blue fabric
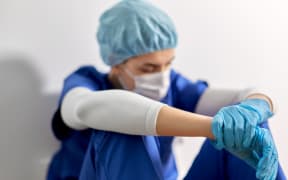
{"x": 106, "y": 155}
{"x": 132, "y": 28}
{"x": 67, "y": 161}
{"x": 124, "y": 157}
{"x": 211, "y": 163}
{"x": 117, "y": 156}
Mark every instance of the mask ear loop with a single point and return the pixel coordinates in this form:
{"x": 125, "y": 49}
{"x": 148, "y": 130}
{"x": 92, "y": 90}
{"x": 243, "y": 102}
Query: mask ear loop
{"x": 122, "y": 82}
{"x": 130, "y": 74}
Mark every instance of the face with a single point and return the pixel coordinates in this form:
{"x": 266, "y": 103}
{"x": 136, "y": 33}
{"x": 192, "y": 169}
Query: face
{"x": 158, "y": 61}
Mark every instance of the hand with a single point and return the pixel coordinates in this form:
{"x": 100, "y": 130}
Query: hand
{"x": 238, "y": 120}
{"x": 261, "y": 154}
{"x": 235, "y": 129}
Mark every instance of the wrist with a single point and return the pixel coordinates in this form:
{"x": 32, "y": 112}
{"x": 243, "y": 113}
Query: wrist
{"x": 262, "y": 97}
{"x": 258, "y": 105}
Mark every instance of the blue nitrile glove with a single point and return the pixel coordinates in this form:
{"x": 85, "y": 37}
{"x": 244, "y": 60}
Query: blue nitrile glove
{"x": 238, "y": 119}
{"x": 234, "y": 128}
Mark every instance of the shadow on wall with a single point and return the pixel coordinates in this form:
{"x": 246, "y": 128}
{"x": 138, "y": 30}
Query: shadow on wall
{"x": 26, "y": 139}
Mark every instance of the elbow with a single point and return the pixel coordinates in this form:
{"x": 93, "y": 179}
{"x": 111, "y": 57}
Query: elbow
{"x": 70, "y": 108}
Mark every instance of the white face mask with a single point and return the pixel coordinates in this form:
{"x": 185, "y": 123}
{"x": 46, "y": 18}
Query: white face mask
{"x": 154, "y": 86}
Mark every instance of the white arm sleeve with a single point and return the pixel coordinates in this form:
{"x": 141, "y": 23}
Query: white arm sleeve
{"x": 111, "y": 110}
{"x": 213, "y": 100}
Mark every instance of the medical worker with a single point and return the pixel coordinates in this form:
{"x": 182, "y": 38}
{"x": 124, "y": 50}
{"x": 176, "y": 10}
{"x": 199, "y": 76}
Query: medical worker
{"x": 120, "y": 125}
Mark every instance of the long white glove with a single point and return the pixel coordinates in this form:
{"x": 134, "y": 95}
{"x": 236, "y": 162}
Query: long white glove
{"x": 111, "y": 110}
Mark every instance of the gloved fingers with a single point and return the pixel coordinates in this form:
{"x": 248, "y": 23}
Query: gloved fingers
{"x": 217, "y": 130}
{"x": 239, "y": 128}
{"x": 230, "y": 126}
{"x": 274, "y": 169}
{"x": 268, "y": 163}
{"x": 249, "y": 135}
{"x": 252, "y": 116}
{"x": 265, "y": 164}
{"x": 275, "y": 166}
{"x": 268, "y": 171}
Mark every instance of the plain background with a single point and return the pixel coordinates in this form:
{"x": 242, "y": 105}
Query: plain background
{"x": 229, "y": 43}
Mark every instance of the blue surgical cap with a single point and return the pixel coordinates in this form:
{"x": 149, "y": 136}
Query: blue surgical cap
{"x": 132, "y": 28}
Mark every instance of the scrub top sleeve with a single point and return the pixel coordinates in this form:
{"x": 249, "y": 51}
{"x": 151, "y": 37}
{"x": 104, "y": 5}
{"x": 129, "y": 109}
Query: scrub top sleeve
{"x": 188, "y": 92}
{"x": 79, "y": 78}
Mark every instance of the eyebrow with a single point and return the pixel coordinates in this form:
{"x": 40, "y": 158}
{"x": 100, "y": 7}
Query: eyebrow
{"x": 156, "y": 65}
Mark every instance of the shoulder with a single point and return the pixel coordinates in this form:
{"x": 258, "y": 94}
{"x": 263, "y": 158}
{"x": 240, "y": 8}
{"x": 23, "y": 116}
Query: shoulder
{"x": 87, "y": 71}
{"x": 87, "y": 76}
{"x": 185, "y": 91}
{"x": 181, "y": 83}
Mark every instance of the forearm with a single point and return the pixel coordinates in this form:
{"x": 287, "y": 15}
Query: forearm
{"x": 129, "y": 113}
{"x": 175, "y": 122}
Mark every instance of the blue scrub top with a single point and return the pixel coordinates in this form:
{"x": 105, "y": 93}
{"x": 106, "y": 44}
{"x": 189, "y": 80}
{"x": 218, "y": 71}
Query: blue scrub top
{"x": 66, "y": 163}
{"x": 154, "y": 154}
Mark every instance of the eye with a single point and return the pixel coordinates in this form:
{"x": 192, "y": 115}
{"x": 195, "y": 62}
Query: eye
{"x": 147, "y": 69}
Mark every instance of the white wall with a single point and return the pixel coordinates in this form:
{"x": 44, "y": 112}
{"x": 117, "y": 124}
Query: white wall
{"x": 231, "y": 44}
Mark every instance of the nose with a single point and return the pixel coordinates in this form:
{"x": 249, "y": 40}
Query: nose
{"x": 163, "y": 68}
